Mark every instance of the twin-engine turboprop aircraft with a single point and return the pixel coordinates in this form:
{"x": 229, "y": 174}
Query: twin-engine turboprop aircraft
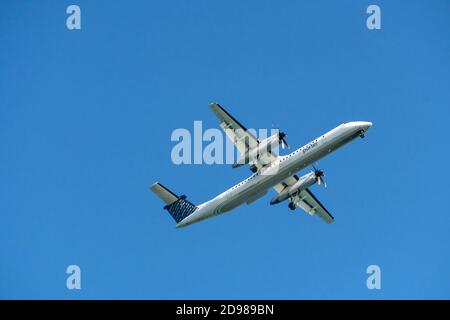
{"x": 269, "y": 171}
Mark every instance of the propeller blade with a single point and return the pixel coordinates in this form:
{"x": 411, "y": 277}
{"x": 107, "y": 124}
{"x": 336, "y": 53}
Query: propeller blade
{"x": 324, "y": 182}
{"x": 281, "y": 137}
{"x": 320, "y": 176}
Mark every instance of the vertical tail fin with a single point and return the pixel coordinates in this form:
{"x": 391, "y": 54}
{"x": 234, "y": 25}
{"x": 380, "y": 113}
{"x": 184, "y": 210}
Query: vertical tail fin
{"x": 178, "y": 207}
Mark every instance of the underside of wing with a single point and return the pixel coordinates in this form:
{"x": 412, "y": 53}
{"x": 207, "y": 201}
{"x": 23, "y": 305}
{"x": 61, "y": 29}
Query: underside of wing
{"x": 288, "y": 182}
{"x": 305, "y": 200}
{"x": 308, "y": 202}
{"x": 244, "y": 140}
{"x": 241, "y": 137}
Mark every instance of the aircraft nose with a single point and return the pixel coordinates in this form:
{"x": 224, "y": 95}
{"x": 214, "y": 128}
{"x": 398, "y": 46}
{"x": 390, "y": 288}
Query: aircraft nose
{"x": 365, "y": 125}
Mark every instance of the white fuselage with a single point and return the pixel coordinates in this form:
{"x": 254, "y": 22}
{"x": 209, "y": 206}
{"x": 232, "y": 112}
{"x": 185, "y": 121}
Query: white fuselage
{"x": 257, "y": 184}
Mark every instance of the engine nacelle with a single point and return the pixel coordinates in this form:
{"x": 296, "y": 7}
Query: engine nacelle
{"x": 304, "y": 182}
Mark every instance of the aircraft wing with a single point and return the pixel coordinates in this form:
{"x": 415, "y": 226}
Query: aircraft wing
{"x": 243, "y": 139}
{"x": 286, "y": 183}
{"x": 306, "y": 200}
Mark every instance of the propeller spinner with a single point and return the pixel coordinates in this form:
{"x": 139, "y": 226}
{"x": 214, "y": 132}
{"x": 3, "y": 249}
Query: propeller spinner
{"x": 320, "y": 176}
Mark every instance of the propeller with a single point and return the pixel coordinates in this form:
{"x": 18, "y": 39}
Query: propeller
{"x": 281, "y": 138}
{"x": 320, "y": 176}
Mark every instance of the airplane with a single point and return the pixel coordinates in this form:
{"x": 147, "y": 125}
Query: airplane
{"x": 269, "y": 171}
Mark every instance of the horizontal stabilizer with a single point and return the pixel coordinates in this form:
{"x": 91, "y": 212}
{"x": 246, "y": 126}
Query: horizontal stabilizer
{"x": 163, "y": 193}
{"x": 178, "y": 207}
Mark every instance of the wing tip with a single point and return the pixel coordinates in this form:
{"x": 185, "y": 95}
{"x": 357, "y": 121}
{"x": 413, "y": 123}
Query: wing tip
{"x": 215, "y": 105}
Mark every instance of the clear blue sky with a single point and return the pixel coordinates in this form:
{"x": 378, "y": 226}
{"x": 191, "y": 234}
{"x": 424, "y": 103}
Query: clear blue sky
{"x": 86, "y": 118}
